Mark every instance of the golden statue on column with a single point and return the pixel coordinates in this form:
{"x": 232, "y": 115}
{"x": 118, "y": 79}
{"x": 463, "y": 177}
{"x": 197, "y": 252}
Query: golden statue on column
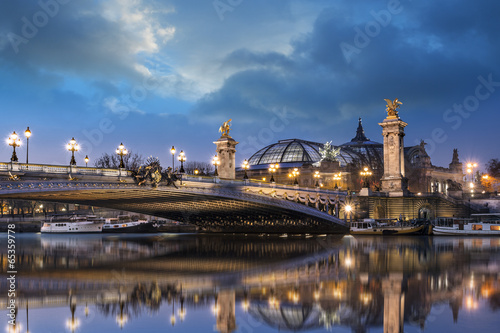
{"x": 225, "y": 128}
{"x": 392, "y": 108}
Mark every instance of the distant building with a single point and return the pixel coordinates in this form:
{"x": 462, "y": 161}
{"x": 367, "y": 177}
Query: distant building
{"x": 343, "y": 171}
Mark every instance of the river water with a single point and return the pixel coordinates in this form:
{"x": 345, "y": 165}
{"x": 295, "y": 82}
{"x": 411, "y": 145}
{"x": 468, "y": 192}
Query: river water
{"x": 229, "y": 283}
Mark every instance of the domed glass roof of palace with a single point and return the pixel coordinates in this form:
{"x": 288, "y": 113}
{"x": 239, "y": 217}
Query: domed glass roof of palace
{"x": 292, "y": 150}
{"x": 295, "y": 152}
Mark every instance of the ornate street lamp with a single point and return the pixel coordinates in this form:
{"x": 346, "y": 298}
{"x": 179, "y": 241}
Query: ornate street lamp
{"x": 121, "y": 151}
{"x": 172, "y": 151}
{"x": 216, "y": 162}
{"x": 317, "y": 176}
{"x": 470, "y": 171}
{"x": 182, "y": 159}
{"x": 86, "y": 160}
{"x": 27, "y": 133}
{"x": 72, "y": 146}
{"x": 295, "y": 174}
{"x": 245, "y": 167}
{"x": 272, "y": 169}
{"x": 348, "y": 211}
{"x": 14, "y": 141}
{"x": 337, "y": 177}
{"x": 365, "y": 174}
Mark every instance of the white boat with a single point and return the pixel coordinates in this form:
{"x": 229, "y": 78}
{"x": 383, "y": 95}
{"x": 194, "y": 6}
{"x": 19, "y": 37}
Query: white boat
{"x": 477, "y": 225}
{"x": 72, "y": 224}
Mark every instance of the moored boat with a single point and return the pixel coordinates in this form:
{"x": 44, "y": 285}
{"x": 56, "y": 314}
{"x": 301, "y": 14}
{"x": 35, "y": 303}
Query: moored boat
{"x": 477, "y": 225}
{"x": 72, "y": 224}
{"x": 124, "y": 224}
{"x": 372, "y": 227}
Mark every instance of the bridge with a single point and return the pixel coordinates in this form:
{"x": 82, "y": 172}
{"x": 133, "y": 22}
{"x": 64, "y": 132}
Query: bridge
{"x": 210, "y": 203}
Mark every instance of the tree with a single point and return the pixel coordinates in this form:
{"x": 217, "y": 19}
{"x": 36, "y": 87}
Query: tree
{"x": 204, "y": 168}
{"x": 493, "y": 167}
{"x": 132, "y": 161}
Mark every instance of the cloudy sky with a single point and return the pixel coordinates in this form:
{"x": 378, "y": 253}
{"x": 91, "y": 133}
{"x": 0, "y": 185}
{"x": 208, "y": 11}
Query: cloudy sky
{"x": 159, "y": 73}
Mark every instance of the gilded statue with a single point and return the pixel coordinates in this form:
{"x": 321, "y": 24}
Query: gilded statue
{"x": 225, "y": 128}
{"x": 392, "y": 107}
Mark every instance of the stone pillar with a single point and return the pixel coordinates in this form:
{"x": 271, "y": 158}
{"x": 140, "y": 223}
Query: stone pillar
{"x": 393, "y": 181}
{"x": 393, "y": 303}
{"x": 226, "y": 151}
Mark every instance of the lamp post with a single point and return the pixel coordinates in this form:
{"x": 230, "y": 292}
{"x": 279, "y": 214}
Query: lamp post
{"x": 317, "y": 176}
{"x": 365, "y": 174}
{"x": 121, "y": 151}
{"x": 172, "y": 151}
{"x": 72, "y": 146}
{"x": 470, "y": 171}
{"x": 272, "y": 169}
{"x": 182, "y": 159}
{"x": 86, "y": 160}
{"x": 348, "y": 211}
{"x": 245, "y": 167}
{"x": 14, "y": 141}
{"x": 295, "y": 174}
{"x": 27, "y": 133}
{"x": 216, "y": 162}
{"x": 337, "y": 177}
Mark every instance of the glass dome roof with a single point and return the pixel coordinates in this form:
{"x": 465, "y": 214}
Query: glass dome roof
{"x": 292, "y": 150}
{"x": 359, "y": 151}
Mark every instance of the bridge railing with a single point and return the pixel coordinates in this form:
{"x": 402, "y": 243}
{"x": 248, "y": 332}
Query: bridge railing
{"x": 63, "y": 169}
{"x": 240, "y": 182}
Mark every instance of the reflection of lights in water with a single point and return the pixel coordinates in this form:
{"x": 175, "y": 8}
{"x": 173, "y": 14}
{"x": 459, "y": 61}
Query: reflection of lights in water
{"x": 348, "y": 262}
{"x": 182, "y": 310}
{"x": 72, "y": 324}
{"x": 337, "y": 293}
{"x": 17, "y": 328}
{"x": 121, "y": 320}
{"x": 245, "y": 304}
{"x": 172, "y": 319}
{"x": 273, "y": 302}
{"x": 316, "y": 295}
{"x": 294, "y": 296}
{"x": 365, "y": 298}
{"x": 470, "y": 303}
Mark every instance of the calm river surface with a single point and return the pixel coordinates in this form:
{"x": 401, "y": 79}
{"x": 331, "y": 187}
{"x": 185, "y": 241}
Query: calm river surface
{"x": 226, "y": 283}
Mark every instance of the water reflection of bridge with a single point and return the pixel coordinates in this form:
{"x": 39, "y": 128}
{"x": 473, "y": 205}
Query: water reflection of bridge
{"x": 294, "y": 284}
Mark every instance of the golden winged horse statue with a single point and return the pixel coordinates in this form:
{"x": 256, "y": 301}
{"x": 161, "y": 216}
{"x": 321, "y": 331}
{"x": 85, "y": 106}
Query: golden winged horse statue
{"x": 225, "y": 128}
{"x": 392, "y": 107}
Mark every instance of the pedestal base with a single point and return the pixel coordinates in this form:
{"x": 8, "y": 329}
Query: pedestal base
{"x": 226, "y": 149}
{"x": 365, "y": 192}
{"x": 394, "y": 186}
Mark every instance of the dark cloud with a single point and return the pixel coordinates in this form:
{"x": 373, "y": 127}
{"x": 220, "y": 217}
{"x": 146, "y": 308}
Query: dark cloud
{"x": 263, "y": 59}
{"x": 428, "y": 55}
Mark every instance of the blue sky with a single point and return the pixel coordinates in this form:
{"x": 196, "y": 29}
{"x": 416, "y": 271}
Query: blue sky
{"x": 153, "y": 74}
